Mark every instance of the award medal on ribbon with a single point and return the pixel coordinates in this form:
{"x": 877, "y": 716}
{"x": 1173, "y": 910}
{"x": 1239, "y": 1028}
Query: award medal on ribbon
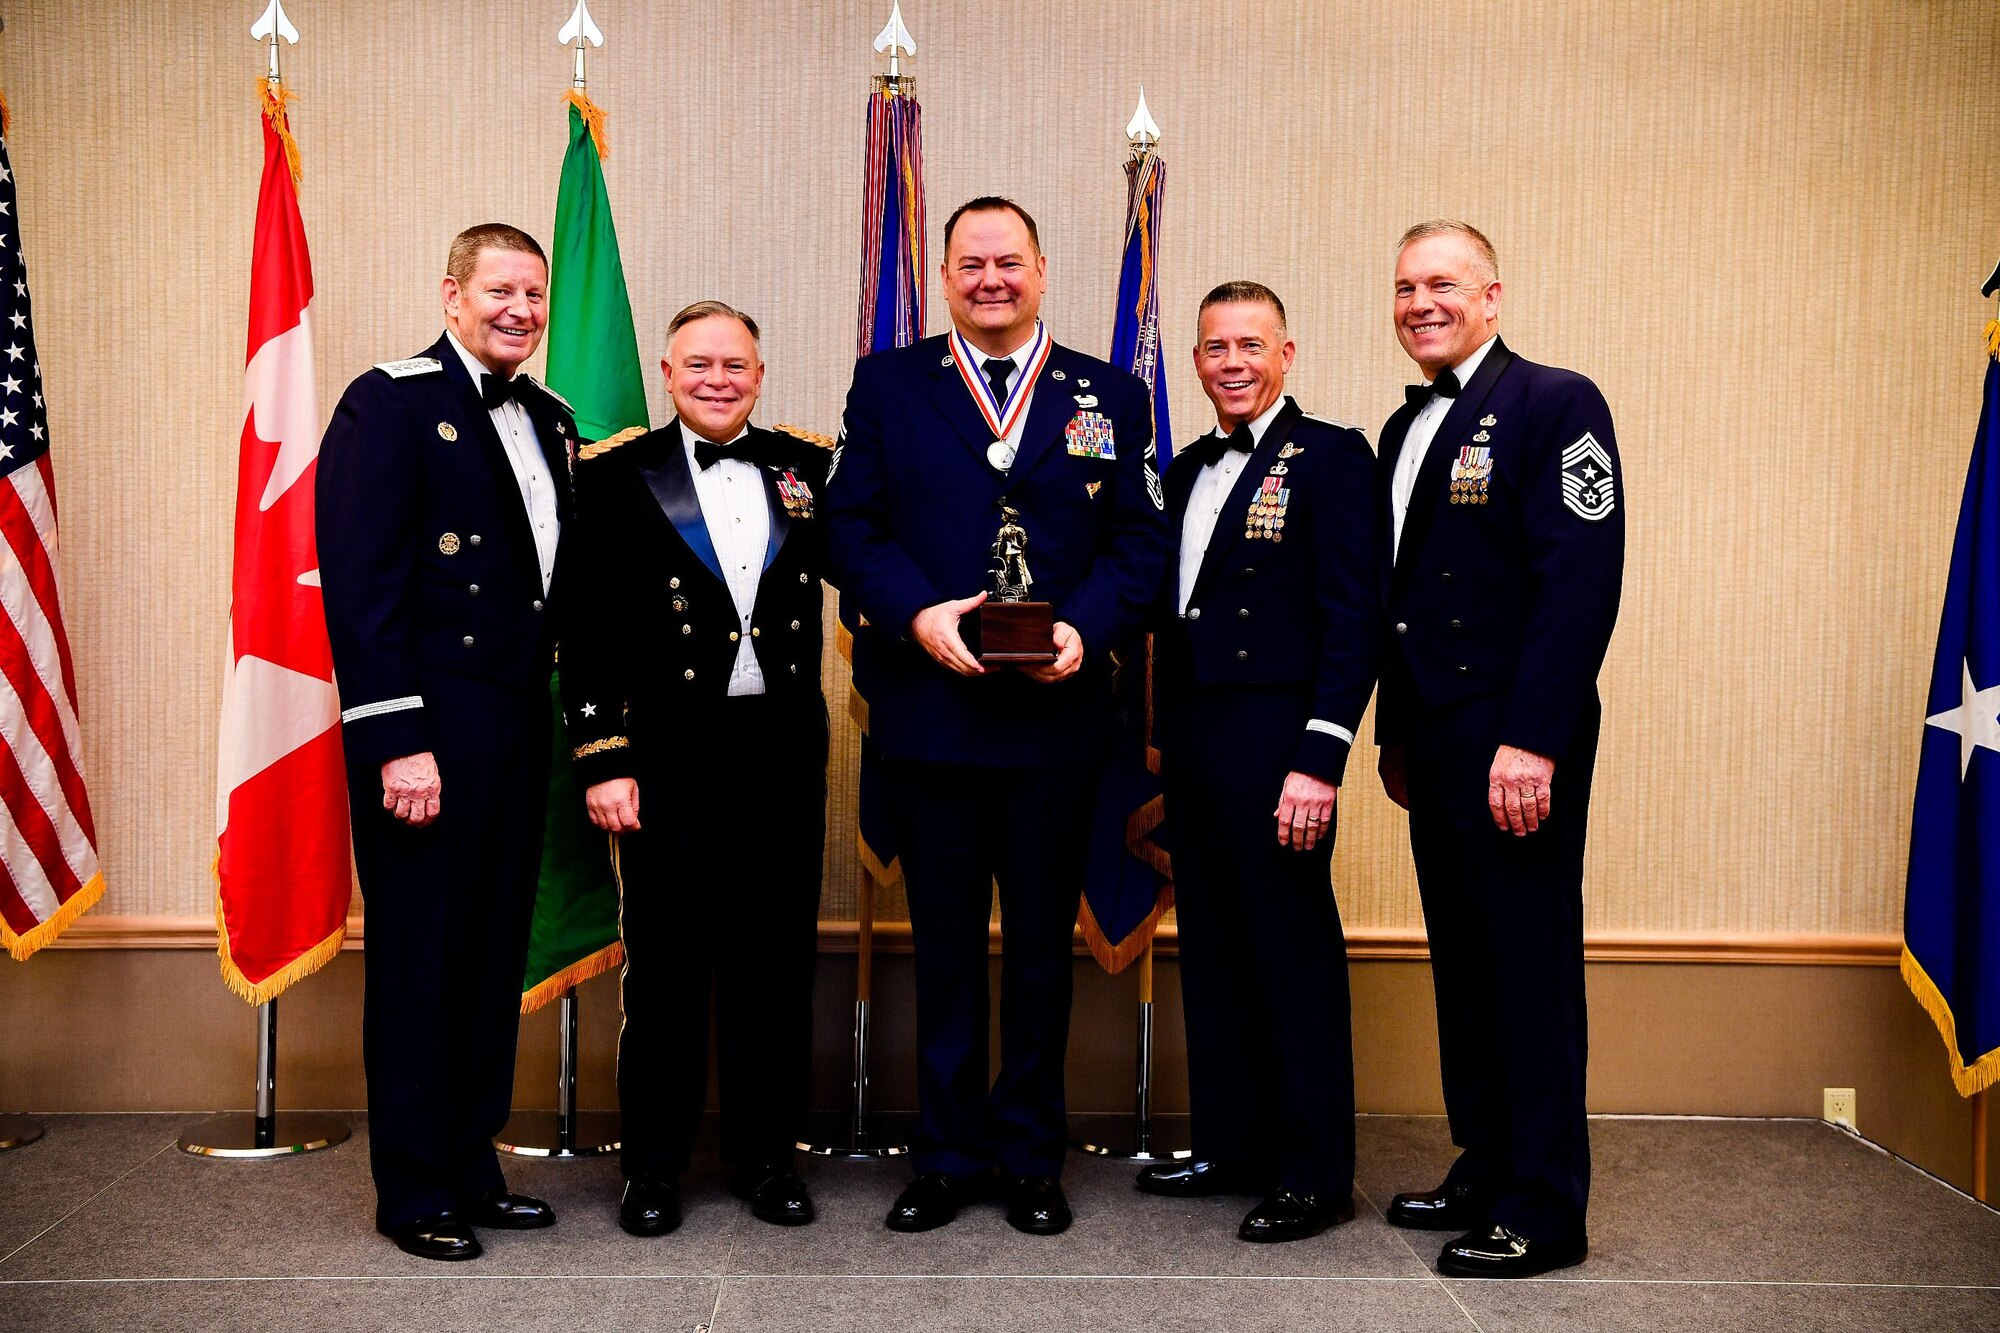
{"x": 795, "y": 495}
{"x": 1472, "y": 473}
{"x": 1267, "y": 510}
{"x": 1001, "y": 418}
{"x": 1088, "y": 435}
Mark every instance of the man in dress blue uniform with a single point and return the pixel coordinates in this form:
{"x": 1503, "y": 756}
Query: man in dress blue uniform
{"x": 442, "y": 490}
{"x": 1264, "y": 662}
{"x": 1504, "y": 504}
{"x": 690, "y": 671}
{"x": 992, "y": 769}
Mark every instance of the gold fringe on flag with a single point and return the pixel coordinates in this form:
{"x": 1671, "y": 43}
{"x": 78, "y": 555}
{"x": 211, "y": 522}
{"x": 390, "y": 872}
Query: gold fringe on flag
{"x": 6, "y": 116}
{"x": 1992, "y": 330}
{"x": 256, "y": 992}
{"x": 594, "y": 116}
{"x": 274, "y": 95}
{"x": 24, "y": 946}
{"x": 1970, "y": 1079}
{"x": 582, "y": 970}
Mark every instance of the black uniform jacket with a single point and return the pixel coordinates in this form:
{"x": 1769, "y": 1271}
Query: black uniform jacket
{"x": 1297, "y": 605}
{"x": 1507, "y": 582}
{"x": 913, "y": 509}
{"x": 427, "y": 559}
{"x": 650, "y": 632}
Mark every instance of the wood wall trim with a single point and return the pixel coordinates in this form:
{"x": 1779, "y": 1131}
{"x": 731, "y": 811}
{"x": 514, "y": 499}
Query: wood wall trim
{"x": 1364, "y": 944}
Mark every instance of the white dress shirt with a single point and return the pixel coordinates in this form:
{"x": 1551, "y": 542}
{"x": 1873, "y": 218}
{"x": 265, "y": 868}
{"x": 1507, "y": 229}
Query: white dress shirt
{"x": 738, "y": 516}
{"x": 1417, "y": 441}
{"x": 1212, "y": 486}
{"x": 531, "y": 467}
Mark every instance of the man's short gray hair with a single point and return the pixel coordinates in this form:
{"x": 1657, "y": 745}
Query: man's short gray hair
{"x": 1486, "y": 259}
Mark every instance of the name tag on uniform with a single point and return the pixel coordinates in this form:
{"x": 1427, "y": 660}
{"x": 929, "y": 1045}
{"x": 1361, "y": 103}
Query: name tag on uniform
{"x": 1088, "y": 435}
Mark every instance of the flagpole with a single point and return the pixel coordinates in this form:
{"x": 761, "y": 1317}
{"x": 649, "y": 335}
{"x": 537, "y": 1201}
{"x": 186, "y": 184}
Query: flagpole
{"x": 565, "y": 1133}
{"x": 1980, "y": 1135}
{"x": 861, "y": 1139}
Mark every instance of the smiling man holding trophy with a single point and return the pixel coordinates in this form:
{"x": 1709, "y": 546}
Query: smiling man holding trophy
{"x": 992, "y": 711}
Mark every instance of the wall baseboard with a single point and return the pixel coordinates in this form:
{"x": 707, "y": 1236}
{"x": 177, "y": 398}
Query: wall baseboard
{"x": 1363, "y": 942}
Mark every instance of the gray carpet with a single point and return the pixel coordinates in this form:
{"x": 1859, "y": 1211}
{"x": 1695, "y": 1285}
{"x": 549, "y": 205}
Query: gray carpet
{"x": 1695, "y": 1225}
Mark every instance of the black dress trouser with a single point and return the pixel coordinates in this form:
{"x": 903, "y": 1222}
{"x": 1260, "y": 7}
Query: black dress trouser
{"x": 719, "y": 893}
{"x": 448, "y": 909}
{"x": 1505, "y": 919}
{"x": 1263, "y": 958}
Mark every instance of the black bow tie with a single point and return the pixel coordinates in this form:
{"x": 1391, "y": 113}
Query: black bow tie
{"x": 707, "y": 453}
{"x": 1444, "y": 386}
{"x": 1210, "y": 448}
{"x": 494, "y": 391}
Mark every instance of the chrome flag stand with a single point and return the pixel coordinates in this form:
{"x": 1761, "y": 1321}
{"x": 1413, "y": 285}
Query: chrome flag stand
{"x": 18, "y": 1131}
{"x": 1143, "y": 1148}
{"x": 267, "y": 1132}
{"x": 861, "y": 1137}
{"x": 565, "y": 1132}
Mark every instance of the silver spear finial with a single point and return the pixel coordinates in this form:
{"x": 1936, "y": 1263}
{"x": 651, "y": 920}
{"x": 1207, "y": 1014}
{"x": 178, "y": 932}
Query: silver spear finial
{"x": 895, "y": 37}
{"x": 270, "y": 28}
{"x": 577, "y": 31}
{"x": 1142, "y": 133}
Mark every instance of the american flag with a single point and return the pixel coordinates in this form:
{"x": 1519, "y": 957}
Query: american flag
{"x": 48, "y": 841}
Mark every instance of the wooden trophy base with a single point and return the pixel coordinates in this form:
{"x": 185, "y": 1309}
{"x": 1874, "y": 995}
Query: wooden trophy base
{"x": 1012, "y": 633}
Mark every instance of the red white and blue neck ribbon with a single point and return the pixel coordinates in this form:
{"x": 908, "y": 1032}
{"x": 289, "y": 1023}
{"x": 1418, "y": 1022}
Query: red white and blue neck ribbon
{"x": 1000, "y": 417}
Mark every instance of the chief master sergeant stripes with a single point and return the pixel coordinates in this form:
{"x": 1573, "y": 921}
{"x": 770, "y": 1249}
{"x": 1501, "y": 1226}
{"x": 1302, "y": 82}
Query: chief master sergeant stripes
{"x": 443, "y": 484}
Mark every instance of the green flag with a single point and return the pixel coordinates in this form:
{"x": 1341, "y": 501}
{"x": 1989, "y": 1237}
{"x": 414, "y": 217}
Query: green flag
{"x": 594, "y": 363}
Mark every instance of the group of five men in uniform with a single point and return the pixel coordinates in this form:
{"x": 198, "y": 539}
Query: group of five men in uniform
{"x": 1282, "y": 569}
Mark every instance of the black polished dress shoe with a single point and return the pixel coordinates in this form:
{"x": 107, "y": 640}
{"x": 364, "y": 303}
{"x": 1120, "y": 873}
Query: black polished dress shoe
{"x": 501, "y": 1211}
{"x": 932, "y": 1200}
{"x": 776, "y": 1196}
{"x": 650, "y": 1207}
{"x": 1449, "y": 1207}
{"x": 444, "y": 1236}
{"x": 1189, "y": 1178}
{"x": 1289, "y": 1215}
{"x": 1035, "y": 1204}
{"x": 1494, "y": 1251}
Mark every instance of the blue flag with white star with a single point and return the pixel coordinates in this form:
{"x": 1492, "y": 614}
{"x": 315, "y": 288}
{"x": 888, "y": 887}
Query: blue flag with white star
{"x": 1951, "y": 911}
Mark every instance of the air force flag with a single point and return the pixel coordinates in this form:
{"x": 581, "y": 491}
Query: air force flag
{"x": 1951, "y": 914}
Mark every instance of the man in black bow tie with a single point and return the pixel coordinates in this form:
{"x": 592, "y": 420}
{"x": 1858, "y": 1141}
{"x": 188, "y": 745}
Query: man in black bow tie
{"x": 1265, "y": 656}
{"x": 691, "y": 690}
{"x": 443, "y": 492}
{"x": 1504, "y": 508}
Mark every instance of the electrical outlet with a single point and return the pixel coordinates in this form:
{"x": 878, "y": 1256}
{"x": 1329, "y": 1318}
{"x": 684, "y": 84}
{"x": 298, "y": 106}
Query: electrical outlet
{"x": 1839, "y": 1107}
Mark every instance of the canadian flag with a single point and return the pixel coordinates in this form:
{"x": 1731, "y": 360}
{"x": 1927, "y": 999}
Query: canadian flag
{"x": 282, "y": 866}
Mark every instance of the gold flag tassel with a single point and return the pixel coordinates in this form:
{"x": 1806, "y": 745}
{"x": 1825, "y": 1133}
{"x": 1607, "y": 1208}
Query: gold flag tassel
{"x": 1992, "y": 331}
{"x": 594, "y": 116}
{"x": 6, "y": 116}
{"x": 274, "y": 96}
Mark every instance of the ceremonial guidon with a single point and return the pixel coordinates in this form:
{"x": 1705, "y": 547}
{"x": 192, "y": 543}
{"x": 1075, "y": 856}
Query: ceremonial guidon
{"x": 1501, "y": 574}
{"x": 719, "y": 874}
{"x": 992, "y": 773}
{"x": 442, "y": 641}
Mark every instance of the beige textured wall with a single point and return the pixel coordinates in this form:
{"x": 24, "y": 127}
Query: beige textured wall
{"x": 1758, "y": 227}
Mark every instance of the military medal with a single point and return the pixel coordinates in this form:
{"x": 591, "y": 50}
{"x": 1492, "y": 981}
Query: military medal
{"x": 1001, "y": 418}
{"x": 1267, "y": 510}
{"x": 795, "y": 495}
{"x": 1471, "y": 473}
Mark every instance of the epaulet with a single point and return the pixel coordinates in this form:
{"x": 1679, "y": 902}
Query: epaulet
{"x": 1328, "y": 421}
{"x": 799, "y": 433}
{"x": 551, "y": 393}
{"x": 416, "y": 365}
{"x": 601, "y": 447}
